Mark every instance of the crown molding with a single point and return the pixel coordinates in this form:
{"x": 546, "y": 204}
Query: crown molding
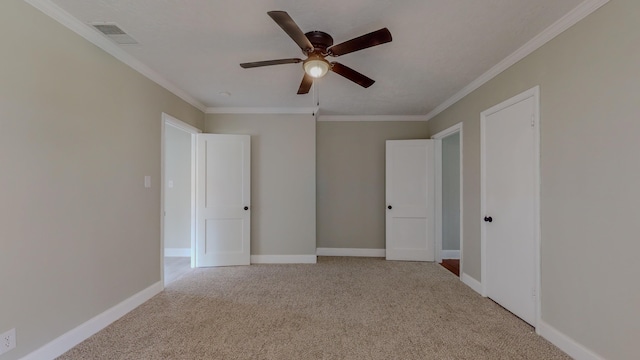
{"x": 372, "y": 118}
{"x": 55, "y": 12}
{"x": 583, "y": 10}
{"x": 312, "y": 111}
{"x": 262, "y": 110}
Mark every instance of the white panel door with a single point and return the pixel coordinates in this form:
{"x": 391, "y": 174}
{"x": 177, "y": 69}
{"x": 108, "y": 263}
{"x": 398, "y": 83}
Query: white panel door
{"x": 509, "y": 193}
{"x": 410, "y": 201}
{"x": 223, "y": 200}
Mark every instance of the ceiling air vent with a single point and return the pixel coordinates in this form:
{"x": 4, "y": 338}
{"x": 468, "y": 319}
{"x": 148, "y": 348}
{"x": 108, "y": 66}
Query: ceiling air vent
{"x": 113, "y": 32}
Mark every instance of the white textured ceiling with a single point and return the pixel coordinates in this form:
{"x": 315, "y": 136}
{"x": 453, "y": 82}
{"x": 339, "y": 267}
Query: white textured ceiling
{"x": 438, "y": 47}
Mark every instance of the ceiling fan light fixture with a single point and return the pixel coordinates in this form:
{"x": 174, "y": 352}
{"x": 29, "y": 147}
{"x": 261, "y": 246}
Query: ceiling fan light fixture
{"x": 316, "y": 67}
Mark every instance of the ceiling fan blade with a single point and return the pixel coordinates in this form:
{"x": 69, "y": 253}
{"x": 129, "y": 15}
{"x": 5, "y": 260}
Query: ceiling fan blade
{"x": 291, "y": 28}
{"x": 305, "y": 86}
{"x": 362, "y": 42}
{"x": 270, "y": 62}
{"x": 351, "y": 74}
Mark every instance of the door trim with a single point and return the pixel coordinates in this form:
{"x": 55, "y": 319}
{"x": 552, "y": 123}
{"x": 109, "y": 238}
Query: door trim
{"x": 457, "y": 128}
{"x": 535, "y": 94}
{"x": 168, "y": 120}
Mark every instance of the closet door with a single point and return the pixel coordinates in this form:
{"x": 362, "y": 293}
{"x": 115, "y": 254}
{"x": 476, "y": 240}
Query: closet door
{"x": 409, "y": 200}
{"x": 509, "y": 204}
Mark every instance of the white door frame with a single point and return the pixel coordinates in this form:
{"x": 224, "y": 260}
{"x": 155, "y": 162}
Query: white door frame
{"x": 457, "y": 128}
{"x": 168, "y": 120}
{"x": 535, "y": 93}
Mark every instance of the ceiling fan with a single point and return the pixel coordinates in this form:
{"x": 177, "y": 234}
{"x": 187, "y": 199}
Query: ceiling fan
{"x": 316, "y": 46}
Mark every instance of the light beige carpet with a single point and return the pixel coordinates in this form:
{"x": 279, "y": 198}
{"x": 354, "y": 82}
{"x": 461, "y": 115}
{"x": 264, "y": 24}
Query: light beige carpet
{"x": 340, "y": 308}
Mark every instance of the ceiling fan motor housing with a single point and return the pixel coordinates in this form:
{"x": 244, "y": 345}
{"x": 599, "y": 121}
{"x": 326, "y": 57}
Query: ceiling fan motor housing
{"x": 320, "y": 40}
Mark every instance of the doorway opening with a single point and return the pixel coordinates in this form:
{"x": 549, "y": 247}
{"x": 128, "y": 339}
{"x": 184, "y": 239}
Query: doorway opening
{"x": 449, "y": 198}
{"x": 177, "y": 198}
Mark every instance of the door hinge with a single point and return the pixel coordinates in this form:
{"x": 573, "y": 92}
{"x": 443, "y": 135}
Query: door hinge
{"x": 533, "y": 120}
{"x": 533, "y": 292}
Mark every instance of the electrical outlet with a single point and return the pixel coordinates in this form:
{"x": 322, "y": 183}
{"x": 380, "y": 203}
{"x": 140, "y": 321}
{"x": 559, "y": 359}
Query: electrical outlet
{"x": 7, "y": 341}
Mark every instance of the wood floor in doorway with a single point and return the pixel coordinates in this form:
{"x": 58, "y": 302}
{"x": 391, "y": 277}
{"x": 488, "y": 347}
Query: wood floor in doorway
{"x": 452, "y": 265}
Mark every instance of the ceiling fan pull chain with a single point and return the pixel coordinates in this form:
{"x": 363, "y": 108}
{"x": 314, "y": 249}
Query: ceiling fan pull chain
{"x": 315, "y": 92}
{"x": 316, "y": 85}
{"x": 313, "y": 89}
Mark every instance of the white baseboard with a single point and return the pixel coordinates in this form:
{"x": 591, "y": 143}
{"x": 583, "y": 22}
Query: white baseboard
{"x": 351, "y": 252}
{"x": 77, "y": 335}
{"x": 177, "y": 252}
{"x": 554, "y": 336}
{"x": 474, "y": 284}
{"x": 283, "y": 259}
{"x": 450, "y": 254}
{"x": 565, "y": 343}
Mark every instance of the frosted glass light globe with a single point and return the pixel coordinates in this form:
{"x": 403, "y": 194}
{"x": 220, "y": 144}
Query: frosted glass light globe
{"x": 316, "y": 68}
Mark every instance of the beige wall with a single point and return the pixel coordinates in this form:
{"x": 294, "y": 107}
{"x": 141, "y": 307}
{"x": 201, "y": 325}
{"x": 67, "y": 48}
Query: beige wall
{"x": 283, "y": 179}
{"x": 78, "y": 132}
{"x": 177, "y": 198}
{"x": 351, "y": 180}
{"x": 589, "y": 78}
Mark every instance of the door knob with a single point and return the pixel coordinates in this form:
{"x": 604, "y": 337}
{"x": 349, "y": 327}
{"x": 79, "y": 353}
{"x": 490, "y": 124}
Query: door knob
{"x": 389, "y": 207}
{"x": 246, "y": 208}
{"x": 488, "y": 219}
